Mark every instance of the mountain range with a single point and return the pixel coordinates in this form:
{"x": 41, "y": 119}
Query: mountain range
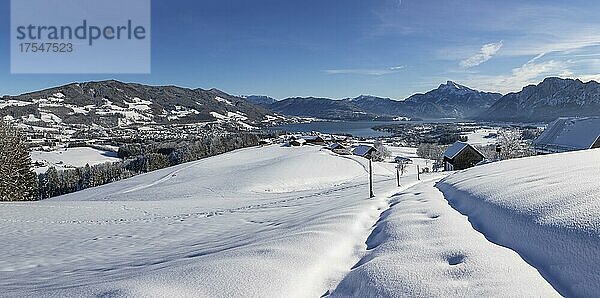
{"x": 113, "y": 103}
{"x": 449, "y": 100}
{"x": 552, "y": 98}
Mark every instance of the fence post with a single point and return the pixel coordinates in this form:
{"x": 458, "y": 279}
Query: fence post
{"x": 371, "y": 195}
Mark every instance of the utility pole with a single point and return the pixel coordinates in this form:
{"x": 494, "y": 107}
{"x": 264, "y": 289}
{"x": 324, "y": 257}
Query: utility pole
{"x": 398, "y": 174}
{"x": 371, "y": 195}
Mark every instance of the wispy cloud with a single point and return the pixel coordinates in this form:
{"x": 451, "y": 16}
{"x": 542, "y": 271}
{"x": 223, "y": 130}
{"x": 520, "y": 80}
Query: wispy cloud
{"x": 486, "y": 53}
{"x": 590, "y": 77}
{"x": 529, "y": 73}
{"x": 366, "y": 72}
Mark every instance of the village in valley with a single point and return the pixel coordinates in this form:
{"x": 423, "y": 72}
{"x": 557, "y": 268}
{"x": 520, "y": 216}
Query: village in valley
{"x": 419, "y": 147}
{"x": 476, "y": 144}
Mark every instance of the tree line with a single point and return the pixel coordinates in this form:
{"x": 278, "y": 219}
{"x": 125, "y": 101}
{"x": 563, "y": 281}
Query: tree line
{"x": 19, "y": 183}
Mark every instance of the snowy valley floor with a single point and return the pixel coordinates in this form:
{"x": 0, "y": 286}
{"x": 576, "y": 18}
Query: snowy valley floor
{"x": 257, "y": 222}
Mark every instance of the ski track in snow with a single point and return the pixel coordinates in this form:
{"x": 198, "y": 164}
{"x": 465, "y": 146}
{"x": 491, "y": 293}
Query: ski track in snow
{"x": 184, "y": 216}
{"x": 162, "y": 180}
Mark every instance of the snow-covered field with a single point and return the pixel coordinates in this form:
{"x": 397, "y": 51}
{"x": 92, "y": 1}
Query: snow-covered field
{"x": 482, "y": 137}
{"x": 546, "y": 208}
{"x": 256, "y": 222}
{"x": 72, "y": 158}
{"x": 407, "y": 152}
{"x": 274, "y": 222}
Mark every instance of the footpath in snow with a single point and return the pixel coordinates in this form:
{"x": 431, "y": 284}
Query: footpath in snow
{"x": 547, "y": 208}
{"x": 421, "y": 247}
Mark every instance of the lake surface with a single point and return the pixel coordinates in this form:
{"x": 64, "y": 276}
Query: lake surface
{"x": 356, "y": 128}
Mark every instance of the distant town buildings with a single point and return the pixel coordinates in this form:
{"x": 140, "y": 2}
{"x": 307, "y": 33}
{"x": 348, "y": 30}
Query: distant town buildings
{"x": 315, "y": 140}
{"x": 338, "y": 148}
{"x": 402, "y": 159}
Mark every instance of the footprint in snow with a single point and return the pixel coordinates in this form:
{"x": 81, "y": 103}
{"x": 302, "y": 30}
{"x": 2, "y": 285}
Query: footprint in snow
{"x": 434, "y": 216}
{"x": 455, "y": 259}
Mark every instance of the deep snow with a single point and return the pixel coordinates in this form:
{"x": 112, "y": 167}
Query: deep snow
{"x": 256, "y": 222}
{"x": 547, "y": 208}
{"x": 421, "y": 247}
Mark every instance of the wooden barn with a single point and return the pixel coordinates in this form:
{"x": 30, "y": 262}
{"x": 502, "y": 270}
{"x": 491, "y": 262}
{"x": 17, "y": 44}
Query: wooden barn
{"x": 338, "y": 148}
{"x": 365, "y": 151}
{"x": 297, "y": 142}
{"x": 315, "y": 140}
{"x": 461, "y": 156}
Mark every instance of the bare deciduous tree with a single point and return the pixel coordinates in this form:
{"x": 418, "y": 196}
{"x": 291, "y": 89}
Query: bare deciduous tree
{"x": 433, "y": 152}
{"x": 512, "y": 144}
{"x": 381, "y": 152}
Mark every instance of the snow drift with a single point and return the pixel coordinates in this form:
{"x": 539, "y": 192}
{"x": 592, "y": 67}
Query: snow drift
{"x": 421, "y": 247}
{"x": 547, "y": 208}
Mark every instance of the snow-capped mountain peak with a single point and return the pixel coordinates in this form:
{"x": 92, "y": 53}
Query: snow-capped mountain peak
{"x": 452, "y": 86}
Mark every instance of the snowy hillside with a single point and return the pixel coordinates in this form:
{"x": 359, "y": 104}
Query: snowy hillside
{"x": 109, "y": 104}
{"x": 298, "y": 222}
{"x": 254, "y": 222}
{"x": 421, "y": 247}
{"x": 546, "y": 208}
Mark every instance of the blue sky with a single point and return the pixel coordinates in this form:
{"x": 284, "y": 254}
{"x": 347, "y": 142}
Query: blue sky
{"x": 338, "y": 49}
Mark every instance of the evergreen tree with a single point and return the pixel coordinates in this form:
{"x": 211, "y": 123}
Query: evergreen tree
{"x": 48, "y": 184}
{"x": 86, "y": 177}
{"x": 17, "y": 180}
{"x": 157, "y": 161}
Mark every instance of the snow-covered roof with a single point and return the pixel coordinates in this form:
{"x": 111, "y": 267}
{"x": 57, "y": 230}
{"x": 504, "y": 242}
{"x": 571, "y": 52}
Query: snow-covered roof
{"x": 336, "y": 146}
{"x": 328, "y": 137}
{"x": 570, "y": 134}
{"x": 456, "y": 148}
{"x": 363, "y": 150}
{"x": 402, "y": 159}
{"x": 312, "y": 138}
